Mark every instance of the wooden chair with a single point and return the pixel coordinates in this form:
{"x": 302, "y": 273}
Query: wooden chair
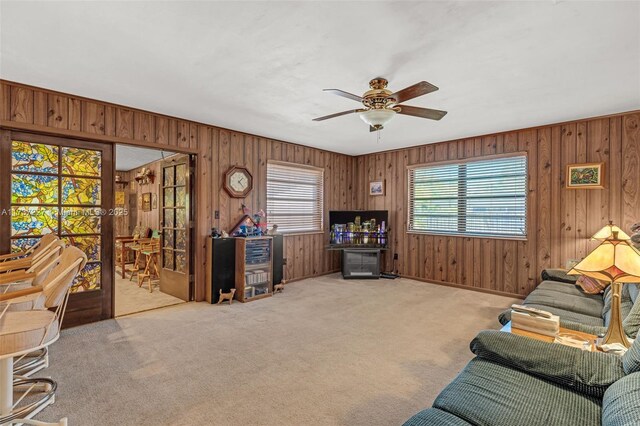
{"x": 22, "y": 332}
{"x": 137, "y": 263}
{"x": 24, "y": 260}
{"x": 151, "y": 251}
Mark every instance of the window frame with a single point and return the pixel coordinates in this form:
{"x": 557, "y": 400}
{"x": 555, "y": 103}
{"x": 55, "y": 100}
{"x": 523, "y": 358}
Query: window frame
{"x": 321, "y": 198}
{"x": 410, "y": 167}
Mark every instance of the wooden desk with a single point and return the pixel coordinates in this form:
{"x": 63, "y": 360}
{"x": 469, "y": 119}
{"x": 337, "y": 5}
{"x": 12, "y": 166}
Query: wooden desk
{"x": 508, "y": 329}
{"x": 123, "y": 251}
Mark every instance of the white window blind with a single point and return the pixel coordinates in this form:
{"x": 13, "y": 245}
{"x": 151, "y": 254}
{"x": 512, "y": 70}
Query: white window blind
{"x": 485, "y": 198}
{"x": 294, "y": 197}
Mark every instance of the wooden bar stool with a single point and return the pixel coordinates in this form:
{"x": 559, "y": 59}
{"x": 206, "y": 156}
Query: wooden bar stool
{"x": 136, "y": 249}
{"x": 151, "y": 251}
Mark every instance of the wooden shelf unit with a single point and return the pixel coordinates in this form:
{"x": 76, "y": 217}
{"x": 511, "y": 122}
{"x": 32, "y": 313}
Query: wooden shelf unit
{"x": 254, "y": 268}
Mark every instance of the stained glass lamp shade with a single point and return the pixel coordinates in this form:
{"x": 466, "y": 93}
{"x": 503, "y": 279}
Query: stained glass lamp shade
{"x": 617, "y": 262}
{"x": 607, "y": 232}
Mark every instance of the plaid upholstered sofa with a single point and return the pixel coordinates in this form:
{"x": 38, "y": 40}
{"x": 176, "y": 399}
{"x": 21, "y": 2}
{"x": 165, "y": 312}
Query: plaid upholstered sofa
{"x": 514, "y": 380}
{"x": 579, "y": 311}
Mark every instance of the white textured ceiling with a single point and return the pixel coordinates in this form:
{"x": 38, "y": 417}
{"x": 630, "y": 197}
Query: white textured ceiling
{"x": 132, "y": 157}
{"x": 259, "y": 67}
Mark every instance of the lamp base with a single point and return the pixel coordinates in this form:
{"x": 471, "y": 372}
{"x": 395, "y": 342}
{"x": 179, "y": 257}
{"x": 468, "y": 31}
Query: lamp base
{"x": 615, "y": 332}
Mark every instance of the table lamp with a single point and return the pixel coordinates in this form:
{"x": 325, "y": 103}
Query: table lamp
{"x": 616, "y": 261}
{"x": 607, "y": 232}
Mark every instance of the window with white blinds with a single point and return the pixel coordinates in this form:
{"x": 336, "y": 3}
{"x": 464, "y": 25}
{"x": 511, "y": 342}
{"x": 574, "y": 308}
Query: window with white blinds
{"x": 486, "y": 198}
{"x": 294, "y": 197}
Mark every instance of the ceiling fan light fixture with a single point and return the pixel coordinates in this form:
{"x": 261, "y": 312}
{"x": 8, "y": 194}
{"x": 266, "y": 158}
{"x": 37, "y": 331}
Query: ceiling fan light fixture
{"x": 377, "y": 117}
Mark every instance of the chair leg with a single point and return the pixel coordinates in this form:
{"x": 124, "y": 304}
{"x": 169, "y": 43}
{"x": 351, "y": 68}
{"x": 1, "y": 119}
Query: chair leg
{"x": 23, "y": 410}
{"x": 136, "y": 266}
{"x": 155, "y": 265}
{"x": 6, "y": 386}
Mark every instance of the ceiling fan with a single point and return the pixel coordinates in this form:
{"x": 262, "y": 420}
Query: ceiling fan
{"x": 381, "y": 104}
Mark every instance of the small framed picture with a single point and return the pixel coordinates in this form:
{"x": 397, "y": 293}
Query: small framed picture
{"x": 154, "y": 201}
{"x": 585, "y": 176}
{"x": 376, "y": 188}
{"x": 146, "y": 202}
{"x": 120, "y": 198}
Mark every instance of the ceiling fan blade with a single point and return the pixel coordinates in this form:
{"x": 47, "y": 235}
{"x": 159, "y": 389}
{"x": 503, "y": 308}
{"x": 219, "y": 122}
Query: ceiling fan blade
{"x": 337, "y": 114}
{"x": 414, "y": 91}
{"x": 432, "y": 114}
{"x": 344, "y": 94}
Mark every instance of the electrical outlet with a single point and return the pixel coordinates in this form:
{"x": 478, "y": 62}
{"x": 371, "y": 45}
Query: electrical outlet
{"x": 395, "y": 256}
{"x": 284, "y": 261}
{"x": 216, "y": 215}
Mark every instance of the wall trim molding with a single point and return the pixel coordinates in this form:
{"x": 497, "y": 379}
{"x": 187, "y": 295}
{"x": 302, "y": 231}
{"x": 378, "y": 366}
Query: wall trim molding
{"x": 465, "y": 287}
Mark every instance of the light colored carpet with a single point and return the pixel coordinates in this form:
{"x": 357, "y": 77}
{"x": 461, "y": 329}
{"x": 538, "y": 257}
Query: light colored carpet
{"x": 324, "y": 352}
{"x": 130, "y": 298}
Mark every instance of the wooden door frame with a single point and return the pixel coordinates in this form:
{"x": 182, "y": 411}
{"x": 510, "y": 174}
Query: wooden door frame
{"x": 6, "y": 127}
{"x": 86, "y": 306}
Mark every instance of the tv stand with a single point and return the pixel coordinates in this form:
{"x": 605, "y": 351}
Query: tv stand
{"x": 361, "y": 263}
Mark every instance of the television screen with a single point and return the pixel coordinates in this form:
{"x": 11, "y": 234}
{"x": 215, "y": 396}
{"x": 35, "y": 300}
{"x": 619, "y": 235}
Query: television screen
{"x": 359, "y": 228}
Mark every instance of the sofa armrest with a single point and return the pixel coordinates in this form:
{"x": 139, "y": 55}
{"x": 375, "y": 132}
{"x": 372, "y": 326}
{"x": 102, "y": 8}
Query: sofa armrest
{"x": 589, "y": 373}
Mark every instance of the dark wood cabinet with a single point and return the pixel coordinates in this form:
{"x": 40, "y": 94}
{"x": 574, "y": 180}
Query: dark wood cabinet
{"x": 226, "y": 260}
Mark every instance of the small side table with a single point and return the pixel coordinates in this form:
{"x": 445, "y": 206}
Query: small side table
{"x": 532, "y": 335}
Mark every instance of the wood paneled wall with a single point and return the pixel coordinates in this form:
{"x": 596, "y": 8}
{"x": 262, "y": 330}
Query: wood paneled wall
{"x": 134, "y": 191}
{"x": 44, "y": 111}
{"x": 560, "y": 220}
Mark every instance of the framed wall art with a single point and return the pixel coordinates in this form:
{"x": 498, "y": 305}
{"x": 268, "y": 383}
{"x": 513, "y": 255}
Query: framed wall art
{"x": 376, "y": 188}
{"x": 146, "y": 202}
{"x": 585, "y": 176}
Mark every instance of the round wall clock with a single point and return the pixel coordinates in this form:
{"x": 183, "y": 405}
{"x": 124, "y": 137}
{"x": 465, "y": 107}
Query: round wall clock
{"x": 238, "y": 182}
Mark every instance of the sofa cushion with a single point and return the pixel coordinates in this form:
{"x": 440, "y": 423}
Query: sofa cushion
{"x": 591, "y": 306}
{"x": 558, "y": 275}
{"x": 585, "y": 372}
{"x": 566, "y": 288}
{"x": 486, "y": 393}
{"x": 564, "y": 315}
{"x": 625, "y": 304}
{"x": 634, "y": 291}
{"x": 631, "y": 322}
{"x": 621, "y": 402}
{"x": 433, "y": 416}
{"x": 631, "y": 359}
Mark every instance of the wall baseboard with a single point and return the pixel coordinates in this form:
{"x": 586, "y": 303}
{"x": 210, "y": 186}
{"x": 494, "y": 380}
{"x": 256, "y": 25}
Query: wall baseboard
{"x": 466, "y": 287}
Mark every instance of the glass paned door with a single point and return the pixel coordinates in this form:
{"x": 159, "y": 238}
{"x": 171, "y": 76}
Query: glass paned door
{"x": 175, "y": 223}
{"x": 61, "y": 186}
{"x": 58, "y": 189}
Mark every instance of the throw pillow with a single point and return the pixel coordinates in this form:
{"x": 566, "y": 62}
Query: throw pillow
{"x": 591, "y": 285}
